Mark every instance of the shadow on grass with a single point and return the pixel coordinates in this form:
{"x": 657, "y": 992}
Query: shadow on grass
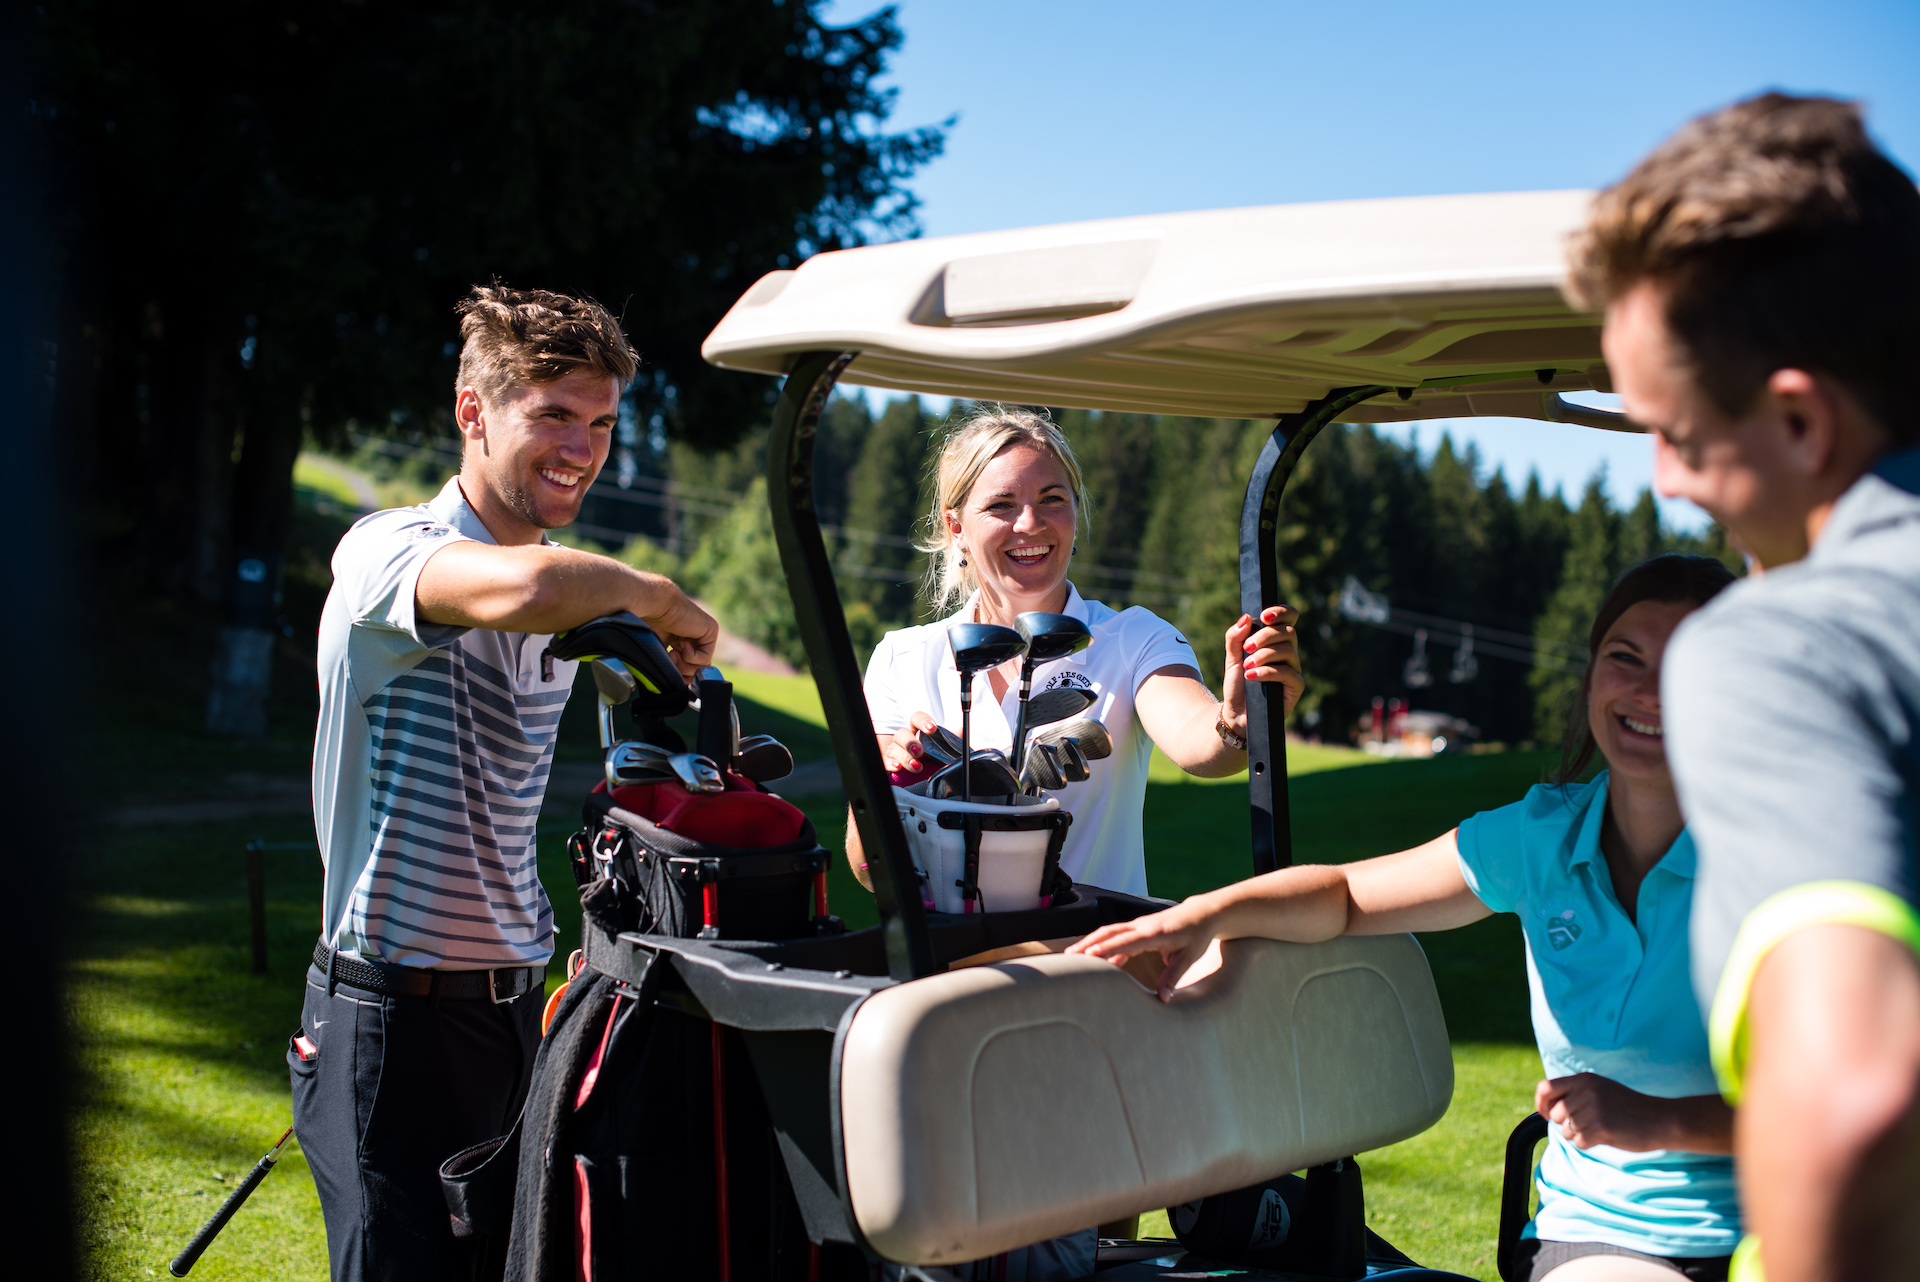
{"x": 183, "y": 1049}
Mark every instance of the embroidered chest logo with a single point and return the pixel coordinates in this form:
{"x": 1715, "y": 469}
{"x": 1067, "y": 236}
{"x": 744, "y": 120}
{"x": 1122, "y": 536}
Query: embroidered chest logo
{"x": 1070, "y": 678}
{"x": 1562, "y": 929}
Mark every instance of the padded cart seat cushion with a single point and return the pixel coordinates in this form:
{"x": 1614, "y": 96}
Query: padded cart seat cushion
{"x": 1001, "y": 1105}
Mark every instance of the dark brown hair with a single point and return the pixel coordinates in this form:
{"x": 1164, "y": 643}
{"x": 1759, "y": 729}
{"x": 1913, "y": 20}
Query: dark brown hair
{"x": 1667, "y": 578}
{"x": 1780, "y": 237}
{"x": 513, "y": 338}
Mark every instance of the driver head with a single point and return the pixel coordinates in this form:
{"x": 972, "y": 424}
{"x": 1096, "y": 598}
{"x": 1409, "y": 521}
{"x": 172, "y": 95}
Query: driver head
{"x": 1051, "y": 636}
{"x": 977, "y": 646}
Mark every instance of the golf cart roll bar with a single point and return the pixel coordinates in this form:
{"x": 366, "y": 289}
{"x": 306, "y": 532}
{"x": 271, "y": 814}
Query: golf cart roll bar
{"x": 1259, "y": 588}
{"x": 823, "y": 629}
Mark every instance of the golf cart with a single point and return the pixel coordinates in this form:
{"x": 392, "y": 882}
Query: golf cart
{"x": 946, "y": 1086}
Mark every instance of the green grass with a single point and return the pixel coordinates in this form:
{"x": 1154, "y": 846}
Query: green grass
{"x": 312, "y": 475}
{"x": 184, "y": 1078}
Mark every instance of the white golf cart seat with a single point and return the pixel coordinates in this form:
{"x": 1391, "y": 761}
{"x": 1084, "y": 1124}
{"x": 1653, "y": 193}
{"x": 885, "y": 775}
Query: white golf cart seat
{"x": 1004, "y": 1104}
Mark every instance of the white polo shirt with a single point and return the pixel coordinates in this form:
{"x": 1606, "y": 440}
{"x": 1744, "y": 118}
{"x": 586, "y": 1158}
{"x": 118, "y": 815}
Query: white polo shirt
{"x": 430, "y": 759}
{"x": 912, "y": 671}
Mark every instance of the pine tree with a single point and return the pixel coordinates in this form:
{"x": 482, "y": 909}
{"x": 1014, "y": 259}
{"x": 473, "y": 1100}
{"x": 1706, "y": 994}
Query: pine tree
{"x": 884, "y": 497}
{"x": 1116, "y": 453}
{"x": 1594, "y": 546}
{"x": 737, "y": 573}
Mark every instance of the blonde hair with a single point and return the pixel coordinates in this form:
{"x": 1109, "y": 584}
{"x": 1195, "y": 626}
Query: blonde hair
{"x": 969, "y": 446}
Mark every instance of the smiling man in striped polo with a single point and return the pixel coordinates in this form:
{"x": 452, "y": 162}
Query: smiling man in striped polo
{"x": 438, "y": 715}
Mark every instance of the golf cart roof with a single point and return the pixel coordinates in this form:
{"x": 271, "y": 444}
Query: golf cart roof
{"x": 1454, "y": 301}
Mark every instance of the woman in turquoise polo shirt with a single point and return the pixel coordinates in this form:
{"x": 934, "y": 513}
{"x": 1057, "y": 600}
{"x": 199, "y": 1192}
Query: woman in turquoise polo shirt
{"x": 1636, "y": 1182}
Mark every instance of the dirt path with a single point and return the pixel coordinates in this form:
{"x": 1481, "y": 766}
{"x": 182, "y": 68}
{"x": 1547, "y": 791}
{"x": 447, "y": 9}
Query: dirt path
{"x": 365, "y": 496}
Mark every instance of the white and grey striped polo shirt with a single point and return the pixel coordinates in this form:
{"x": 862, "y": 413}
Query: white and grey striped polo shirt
{"x": 430, "y": 760}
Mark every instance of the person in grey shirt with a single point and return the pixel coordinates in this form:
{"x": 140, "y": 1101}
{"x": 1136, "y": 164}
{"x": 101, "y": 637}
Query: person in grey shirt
{"x": 439, "y": 707}
{"x": 1760, "y": 275}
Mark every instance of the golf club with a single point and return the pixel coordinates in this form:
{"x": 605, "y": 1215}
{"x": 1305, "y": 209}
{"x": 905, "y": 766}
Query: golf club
{"x": 990, "y": 776}
{"x": 615, "y": 683}
{"x": 763, "y": 758}
{"x": 1048, "y": 637}
{"x": 1092, "y": 737}
{"x": 1058, "y": 704}
{"x": 947, "y": 739}
{"x": 635, "y": 761}
{"x": 697, "y": 773}
{"x": 1073, "y": 762}
{"x": 183, "y": 1263}
{"x": 977, "y": 647}
{"x": 1041, "y": 771}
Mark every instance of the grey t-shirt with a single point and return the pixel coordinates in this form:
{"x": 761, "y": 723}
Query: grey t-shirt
{"x": 430, "y": 759}
{"x": 1791, "y": 707}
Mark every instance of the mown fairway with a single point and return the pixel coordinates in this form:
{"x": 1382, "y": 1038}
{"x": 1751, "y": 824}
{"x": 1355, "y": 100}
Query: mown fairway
{"x": 183, "y": 1051}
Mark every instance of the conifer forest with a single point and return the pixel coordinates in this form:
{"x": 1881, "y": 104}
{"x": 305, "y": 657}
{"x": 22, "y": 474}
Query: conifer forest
{"x": 1395, "y": 553}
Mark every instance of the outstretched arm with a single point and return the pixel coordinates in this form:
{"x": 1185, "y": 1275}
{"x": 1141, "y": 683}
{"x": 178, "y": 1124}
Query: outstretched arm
{"x": 1180, "y": 714}
{"x": 542, "y": 588}
{"x": 1418, "y": 889}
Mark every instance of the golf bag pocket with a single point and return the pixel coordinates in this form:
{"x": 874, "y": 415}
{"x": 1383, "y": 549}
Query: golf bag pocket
{"x": 977, "y": 857}
{"x": 741, "y": 864}
{"x": 478, "y": 1183}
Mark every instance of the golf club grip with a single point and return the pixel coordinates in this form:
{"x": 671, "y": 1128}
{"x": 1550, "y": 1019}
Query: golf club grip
{"x": 185, "y": 1261}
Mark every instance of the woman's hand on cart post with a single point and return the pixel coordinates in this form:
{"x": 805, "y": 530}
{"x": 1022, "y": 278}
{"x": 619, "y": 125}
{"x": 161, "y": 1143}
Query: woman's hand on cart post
{"x": 1205, "y": 736}
{"x": 1591, "y": 1110}
{"x": 1270, "y": 653}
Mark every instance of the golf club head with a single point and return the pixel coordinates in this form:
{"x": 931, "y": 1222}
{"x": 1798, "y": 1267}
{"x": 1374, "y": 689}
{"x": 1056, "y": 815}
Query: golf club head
{"x": 1073, "y": 763}
{"x": 633, "y": 761}
{"x": 1057, "y": 704}
{"x": 763, "y": 758}
{"x": 697, "y": 773}
{"x": 992, "y": 777}
{"x": 1051, "y": 636}
{"x": 977, "y": 646}
{"x": 1041, "y": 770}
{"x": 1094, "y": 742}
{"x": 613, "y": 679}
{"x": 942, "y": 743}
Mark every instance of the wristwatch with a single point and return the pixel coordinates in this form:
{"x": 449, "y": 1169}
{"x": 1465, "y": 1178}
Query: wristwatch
{"x": 1229, "y": 736}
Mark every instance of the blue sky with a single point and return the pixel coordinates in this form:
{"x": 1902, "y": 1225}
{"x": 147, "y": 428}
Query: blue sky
{"x": 1070, "y": 109}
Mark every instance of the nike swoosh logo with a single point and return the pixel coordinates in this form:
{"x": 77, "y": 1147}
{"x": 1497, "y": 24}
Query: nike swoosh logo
{"x": 318, "y": 1022}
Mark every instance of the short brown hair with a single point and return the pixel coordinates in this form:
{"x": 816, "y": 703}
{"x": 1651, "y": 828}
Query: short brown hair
{"x": 512, "y": 338}
{"x": 1780, "y": 237}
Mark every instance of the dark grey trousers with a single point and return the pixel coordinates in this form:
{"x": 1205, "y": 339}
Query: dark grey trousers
{"x": 400, "y": 1084}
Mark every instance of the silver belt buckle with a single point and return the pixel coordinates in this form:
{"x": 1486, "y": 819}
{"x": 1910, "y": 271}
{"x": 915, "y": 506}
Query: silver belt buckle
{"x": 493, "y": 986}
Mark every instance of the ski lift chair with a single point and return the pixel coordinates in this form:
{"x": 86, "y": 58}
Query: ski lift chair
{"x": 933, "y": 1115}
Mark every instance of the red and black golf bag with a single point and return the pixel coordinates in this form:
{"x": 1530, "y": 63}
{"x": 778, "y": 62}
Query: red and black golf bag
{"x": 635, "y": 1158}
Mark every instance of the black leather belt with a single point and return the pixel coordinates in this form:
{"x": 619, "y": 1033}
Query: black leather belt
{"x": 499, "y": 985}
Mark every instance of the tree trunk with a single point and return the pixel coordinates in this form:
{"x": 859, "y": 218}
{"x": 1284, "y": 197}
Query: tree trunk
{"x": 262, "y": 512}
{"x": 208, "y": 563}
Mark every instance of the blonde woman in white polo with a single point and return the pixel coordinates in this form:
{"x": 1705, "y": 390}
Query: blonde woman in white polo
{"x": 1009, "y": 501}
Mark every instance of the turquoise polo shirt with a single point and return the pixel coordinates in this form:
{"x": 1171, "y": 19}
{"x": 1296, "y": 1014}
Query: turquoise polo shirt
{"x": 1612, "y": 996}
